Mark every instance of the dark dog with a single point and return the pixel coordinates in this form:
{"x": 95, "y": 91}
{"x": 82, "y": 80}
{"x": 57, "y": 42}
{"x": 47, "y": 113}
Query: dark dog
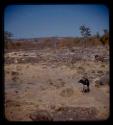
{"x": 85, "y": 83}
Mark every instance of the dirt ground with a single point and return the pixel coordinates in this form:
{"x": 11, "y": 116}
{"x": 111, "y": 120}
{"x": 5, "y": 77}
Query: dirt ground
{"x": 47, "y": 81}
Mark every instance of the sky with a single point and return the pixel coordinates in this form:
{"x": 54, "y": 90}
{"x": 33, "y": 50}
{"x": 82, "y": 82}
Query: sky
{"x": 33, "y": 21}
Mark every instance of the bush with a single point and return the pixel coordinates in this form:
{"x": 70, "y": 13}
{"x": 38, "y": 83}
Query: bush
{"x": 105, "y": 39}
{"x": 67, "y": 92}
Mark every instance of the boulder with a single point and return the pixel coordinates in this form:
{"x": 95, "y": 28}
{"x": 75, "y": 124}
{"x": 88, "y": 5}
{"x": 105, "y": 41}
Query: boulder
{"x": 103, "y": 80}
{"x": 40, "y": 115}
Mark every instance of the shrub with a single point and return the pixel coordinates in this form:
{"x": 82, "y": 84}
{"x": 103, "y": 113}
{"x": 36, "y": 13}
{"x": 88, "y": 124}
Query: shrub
{"x": 105, "y": 39}
{"x": 67, "y": 92}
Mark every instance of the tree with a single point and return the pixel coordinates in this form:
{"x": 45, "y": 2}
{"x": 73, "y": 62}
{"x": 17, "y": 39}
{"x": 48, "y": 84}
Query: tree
{"x": 7, "y": 36}
{"x": 105, "y": 37}
{"x": 105, "y": 31}
{"x": 97, "y": 35}
{"x": 7, "y": 39}
{"x": 85, "y": 31}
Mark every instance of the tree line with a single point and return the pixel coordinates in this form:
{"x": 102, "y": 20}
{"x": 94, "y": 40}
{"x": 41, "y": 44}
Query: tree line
{"x": 84, "y": 30}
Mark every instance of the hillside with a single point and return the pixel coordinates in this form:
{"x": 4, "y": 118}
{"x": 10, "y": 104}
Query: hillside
{"x": 42, "y": 84}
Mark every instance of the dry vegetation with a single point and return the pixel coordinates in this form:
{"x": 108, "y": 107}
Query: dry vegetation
{"x": 48, "y": 43}
{"x": 42, "y": 84}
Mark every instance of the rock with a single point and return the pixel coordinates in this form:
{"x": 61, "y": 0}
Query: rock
{"x": 99, "y": 58}
{"x": 100, "y": 71}
{"x": 75, "y": 114}
{"x": 16, "y": 91}
{"x": 103, "y": 80}
{"x": 41, "y": 115}
{"x": 58, "y": 84}
{"x": 97, "y": 83}
{"x": 14, "y": 73}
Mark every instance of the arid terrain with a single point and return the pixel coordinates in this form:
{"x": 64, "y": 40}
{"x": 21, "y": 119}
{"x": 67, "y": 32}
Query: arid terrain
{"x": 43, "y": 84}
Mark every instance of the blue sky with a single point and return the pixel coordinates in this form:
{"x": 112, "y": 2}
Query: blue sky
{"x": 28, "y": 21}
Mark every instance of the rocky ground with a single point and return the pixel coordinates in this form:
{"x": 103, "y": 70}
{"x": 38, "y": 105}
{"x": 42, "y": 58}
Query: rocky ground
{"x": 43, "y": 85}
